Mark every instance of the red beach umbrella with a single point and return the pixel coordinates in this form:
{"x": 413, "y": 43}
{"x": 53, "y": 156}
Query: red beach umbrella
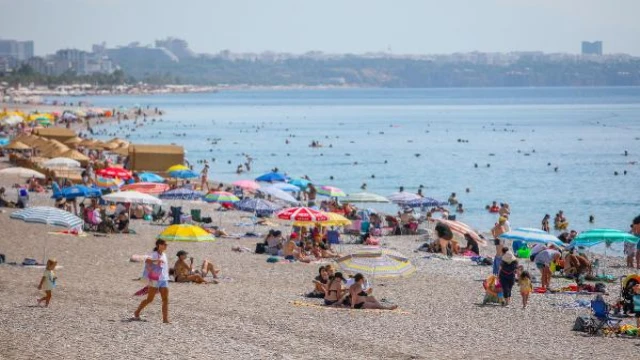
{"x": 112, "y": 172}
{"x": 301, "y": 214}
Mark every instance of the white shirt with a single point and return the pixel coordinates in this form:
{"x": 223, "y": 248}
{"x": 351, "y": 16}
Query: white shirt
{"x": 163, "y": 268}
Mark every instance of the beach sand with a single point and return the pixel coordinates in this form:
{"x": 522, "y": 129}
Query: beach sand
{"x": 251, "y": 315}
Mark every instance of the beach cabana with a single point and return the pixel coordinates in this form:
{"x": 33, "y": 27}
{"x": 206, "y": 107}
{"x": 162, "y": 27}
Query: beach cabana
{"x": 154, "y": 157}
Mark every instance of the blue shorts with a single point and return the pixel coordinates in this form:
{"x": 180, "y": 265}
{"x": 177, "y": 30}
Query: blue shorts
{"x": 159, "y": 284}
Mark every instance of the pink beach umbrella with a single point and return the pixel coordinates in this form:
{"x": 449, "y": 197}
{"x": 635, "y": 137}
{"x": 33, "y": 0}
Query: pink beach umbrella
{"x": 247, "y": 184}
{"x": 302, "y": 214}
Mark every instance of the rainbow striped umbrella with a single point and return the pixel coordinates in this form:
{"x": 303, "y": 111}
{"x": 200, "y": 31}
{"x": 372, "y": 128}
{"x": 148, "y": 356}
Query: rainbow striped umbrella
{"x": 185, "y": 232}
{"x": 105, "y": 182}
{"x": 377, "y": 264}
{"x": 221, "y": 197}
{"x": 458, "y": 229}
{"x": 331, "y": 191}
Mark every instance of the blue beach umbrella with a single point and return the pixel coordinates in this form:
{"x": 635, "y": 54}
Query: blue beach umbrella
{"x": 183, "y": 174}
{"x": 301, "y": 183}
{"x": 271, "y": 177}
{"x": 181, "y": 194}
{"x": 531, "y": 235}
{"x": 75, "y": 191}
{"x": 150, "y": 177}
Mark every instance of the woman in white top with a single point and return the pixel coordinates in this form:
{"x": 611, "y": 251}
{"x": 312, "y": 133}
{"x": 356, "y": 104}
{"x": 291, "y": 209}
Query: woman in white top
{"x": 157, "y": 271}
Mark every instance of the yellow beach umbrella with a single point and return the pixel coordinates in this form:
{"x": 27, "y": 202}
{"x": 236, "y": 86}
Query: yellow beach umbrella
{"x": 377, "y": 264}
{"x": 177, "y": 168}
{"x": 185, "y": 232}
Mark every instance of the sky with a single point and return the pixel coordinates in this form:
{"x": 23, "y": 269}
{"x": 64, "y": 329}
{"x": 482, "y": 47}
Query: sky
{"x": 332, "y": 26}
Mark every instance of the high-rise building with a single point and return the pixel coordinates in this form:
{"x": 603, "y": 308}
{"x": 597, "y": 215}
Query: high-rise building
{"x": 19, "y": 50}
{"x": 178, "y": 47}
{"x": 592, "y": 48}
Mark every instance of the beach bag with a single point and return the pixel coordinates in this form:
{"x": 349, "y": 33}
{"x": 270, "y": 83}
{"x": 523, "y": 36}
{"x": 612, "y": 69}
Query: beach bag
{"x": 261, "y": 248}
{"x": 152, "y": 275}
{"x": 582, "y": 323}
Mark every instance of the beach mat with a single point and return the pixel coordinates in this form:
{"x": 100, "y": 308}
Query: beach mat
{"x": 298, "y": 303}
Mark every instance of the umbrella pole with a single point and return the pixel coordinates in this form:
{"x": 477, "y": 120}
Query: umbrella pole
{"x": 44, "y": 255}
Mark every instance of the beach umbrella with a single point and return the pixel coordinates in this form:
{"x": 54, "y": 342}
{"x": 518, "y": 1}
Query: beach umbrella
{"x": 377, "y": 264}
{"x": 301, "y": 183}
{"x": 22, "y": 172}
{"x": 459, "y": 229}
{"x": 286, "y": 187}
{"x": 112, "y": 172}
{"x": 61, "y": 163}
{"x": 73, "y": 141}
{"x": 330, "y": 191}
{"x": 246, "y": 184}
{"x": 69, "y": 116}
{"x": 278, "y": 194}
{"x": 531, "y": 235}
{"x": 122, "y": 150}
{"x": 11, "y": 120}
{"x": 146, "y": 187}
{"x": 132, "y": 197}
{"x": 75, "y": 155}
{"x": 177, "y": 168}
{"x": 150, "y": 177}
{"x": 181, "y": 194}
{"x": 112, "y": 183}
{"x": 75, "y": 191}
{"x": 222, "y": 197}
{"x": 402, "y": 197}
{"x": 607, "y": 236}
{"x": 183, "y": 174}
{"x": 302, "y": 214}
{"x": 271, "y": 177}
{"x": 49, "y": 216}
{"x": 17, "y": 145}
{"x": 258, "y": 206}
{"x": 333, "y": 219}
{"x": 423, "y": 203}
{"x": 187, "y": 233}
{"x": 365, "y": 197}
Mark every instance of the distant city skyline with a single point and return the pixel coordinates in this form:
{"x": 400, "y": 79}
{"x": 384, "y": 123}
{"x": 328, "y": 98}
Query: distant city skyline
{"x": 332, "y": 26}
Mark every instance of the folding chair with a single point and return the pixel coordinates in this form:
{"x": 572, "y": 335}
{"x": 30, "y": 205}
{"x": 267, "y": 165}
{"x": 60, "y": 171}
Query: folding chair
{"x": 601, "y": 316}
{"x": 158, "y": 216}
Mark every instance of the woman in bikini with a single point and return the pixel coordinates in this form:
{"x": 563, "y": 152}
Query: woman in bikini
{"x": 361, "y": 300}
{"x": 184, "y": 272}
{"x": 334, "y": 293}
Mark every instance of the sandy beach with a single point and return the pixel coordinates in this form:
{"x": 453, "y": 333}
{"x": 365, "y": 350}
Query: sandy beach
{"x": 251, "y": 313}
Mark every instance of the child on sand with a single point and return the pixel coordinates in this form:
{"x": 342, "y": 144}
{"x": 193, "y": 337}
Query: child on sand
{"x": 525, "y": 287}
{"x": 48, "y": 282}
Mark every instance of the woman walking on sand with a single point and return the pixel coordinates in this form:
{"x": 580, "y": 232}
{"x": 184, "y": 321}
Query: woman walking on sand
{"x": 157, "y": 271}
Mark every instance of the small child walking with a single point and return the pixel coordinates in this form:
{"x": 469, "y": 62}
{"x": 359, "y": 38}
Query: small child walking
{"x": 525, "y": 287}
{"x": 48, "y": 282}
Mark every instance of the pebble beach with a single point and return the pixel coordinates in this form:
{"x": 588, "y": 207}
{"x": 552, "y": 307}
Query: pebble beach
{"x": 251, "y": 313}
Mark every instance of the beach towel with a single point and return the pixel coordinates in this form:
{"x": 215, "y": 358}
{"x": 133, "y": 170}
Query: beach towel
{"x": 68, "y": 233}
{"x": 299, "y": 303}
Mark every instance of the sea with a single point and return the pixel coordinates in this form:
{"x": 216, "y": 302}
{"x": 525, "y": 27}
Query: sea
{"x": 540, "y": 150}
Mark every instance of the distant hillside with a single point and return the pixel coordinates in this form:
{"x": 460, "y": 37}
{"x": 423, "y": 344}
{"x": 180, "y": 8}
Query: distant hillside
{"x": 383, "y": 72}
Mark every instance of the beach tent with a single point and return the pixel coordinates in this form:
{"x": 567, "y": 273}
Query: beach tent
{"x": 154, "y": 157}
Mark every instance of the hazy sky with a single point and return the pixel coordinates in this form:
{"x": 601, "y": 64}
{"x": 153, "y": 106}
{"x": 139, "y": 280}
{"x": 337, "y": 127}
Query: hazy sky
{"x": 336, "y": 26}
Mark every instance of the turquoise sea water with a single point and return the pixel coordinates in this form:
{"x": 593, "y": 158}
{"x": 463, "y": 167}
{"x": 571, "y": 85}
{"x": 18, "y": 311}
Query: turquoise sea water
{"x": 582, "y": 131}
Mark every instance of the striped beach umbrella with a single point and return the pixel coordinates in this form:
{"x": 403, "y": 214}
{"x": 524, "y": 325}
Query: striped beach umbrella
{"x": 378, "y": 264}
{"x": 402, "y": 197}
{"x": 302, "y": 214}
{"x": 258, "y": 206}
{"x": 187, "y": 233}
{"x": 48, "y": 215}
{"x": 181, "y": 194}
{"x": 459, "y": 229}
{"x": 331, "y": 191}
{"x": 531, "y": 235}
{"x": 423, "y": 202}
{"x": 146, "y": 187}
{"x": 222, "y": 197}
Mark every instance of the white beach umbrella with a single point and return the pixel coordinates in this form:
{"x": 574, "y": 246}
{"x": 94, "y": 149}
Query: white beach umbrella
{"x": 132, "y": 197}
{"x": 401, "y": 197}
{"x": 11, "y": 120}
{"x": 61, "y": 163}
{"x": 278, "y": 194}
{"x": 365, "y": 197}
{"x": 22, "y": 172}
